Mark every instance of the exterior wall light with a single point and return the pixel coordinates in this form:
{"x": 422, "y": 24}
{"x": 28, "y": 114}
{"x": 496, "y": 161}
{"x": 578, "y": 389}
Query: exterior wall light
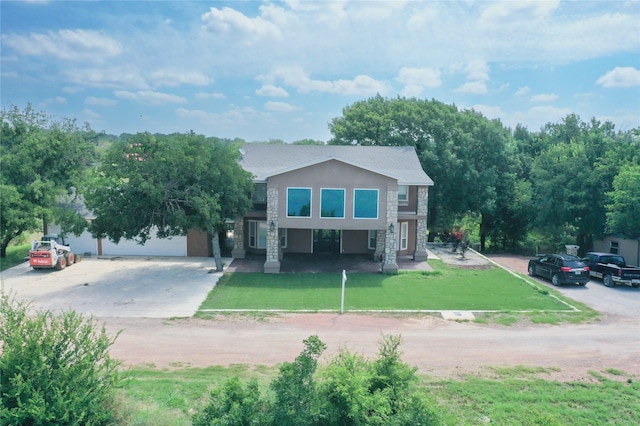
{"x": 392, "y": 228}
{"x": 272, "y": 226}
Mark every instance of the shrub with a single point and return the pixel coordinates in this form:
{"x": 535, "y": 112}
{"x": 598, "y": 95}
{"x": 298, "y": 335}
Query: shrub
{"x": 53, "y": 369}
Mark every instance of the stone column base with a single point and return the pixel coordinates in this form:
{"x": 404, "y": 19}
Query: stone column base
{"x": 237, "y": 253}
{"x": 420, "y": 256}
{"x": 271, "y": 267}
{"x": 390, "y": 268}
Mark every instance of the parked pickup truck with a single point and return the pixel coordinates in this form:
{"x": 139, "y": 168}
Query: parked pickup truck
{"x": 612, "y": 269}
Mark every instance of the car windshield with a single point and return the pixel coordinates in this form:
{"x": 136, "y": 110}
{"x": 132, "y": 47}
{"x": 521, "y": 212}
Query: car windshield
{"x": 574, "y": 263}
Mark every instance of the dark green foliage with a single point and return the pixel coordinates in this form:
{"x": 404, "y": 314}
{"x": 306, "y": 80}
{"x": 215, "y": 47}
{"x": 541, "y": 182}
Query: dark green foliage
{"x": 351, "y": 390}
{"x": 295, "y": 388}
{"x": 54, "y": 369}
{"x": 234, "y": 405}
{"x": 42, "y": 161}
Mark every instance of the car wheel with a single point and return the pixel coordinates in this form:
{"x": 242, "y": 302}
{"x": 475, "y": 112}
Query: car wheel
{"x": 582, "y": 284}
{"x": 532, "y": 271}
{"x": 635, "y": 285}
{"x": 555, "y": 280}
{"x": 608, "y": 281}
{"x": 71, "y": 259}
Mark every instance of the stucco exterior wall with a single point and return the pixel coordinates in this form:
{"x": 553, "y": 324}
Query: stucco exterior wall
{"x": 331, "y": 174}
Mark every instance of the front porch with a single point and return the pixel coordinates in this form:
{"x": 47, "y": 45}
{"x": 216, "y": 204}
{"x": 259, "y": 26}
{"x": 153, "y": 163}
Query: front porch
{"x": 329, "y": 263}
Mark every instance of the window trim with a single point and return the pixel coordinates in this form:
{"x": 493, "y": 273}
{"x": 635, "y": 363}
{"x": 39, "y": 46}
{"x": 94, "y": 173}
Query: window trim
{"x": 344, "y": 203}
{"x": 254, "y": 233}
{"x": 284, "y": 237}
{"x": 377, "y": 191}
{"x": 372, "y": 236}
{"x": 310, "y": 202}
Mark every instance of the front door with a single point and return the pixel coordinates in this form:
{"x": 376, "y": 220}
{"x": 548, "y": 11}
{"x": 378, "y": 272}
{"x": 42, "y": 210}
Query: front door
{"x": 326, "y": 241}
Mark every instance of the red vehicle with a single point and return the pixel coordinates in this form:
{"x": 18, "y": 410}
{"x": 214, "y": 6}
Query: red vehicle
{"x": 49, "y": 254}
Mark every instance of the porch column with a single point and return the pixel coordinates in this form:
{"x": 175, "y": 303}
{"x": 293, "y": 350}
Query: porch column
{"x": 420, "y": 255}
{"x": 238, "y": 251}
{"x": 389, "y": 265}
{"x": 272, "y": 263}
{"x": 380, "y": 240}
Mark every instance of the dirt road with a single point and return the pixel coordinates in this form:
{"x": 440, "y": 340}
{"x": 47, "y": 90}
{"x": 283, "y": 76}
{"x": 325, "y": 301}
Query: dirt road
{"x": 437, "y": 347}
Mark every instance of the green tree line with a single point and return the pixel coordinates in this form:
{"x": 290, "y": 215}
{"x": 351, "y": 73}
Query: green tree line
{"x": 569, "y": 182}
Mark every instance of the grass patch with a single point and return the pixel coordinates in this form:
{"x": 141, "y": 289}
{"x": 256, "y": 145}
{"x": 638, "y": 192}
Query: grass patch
{"x": 446, "y": 288}
{"x": 514, "y": 396}
{"x": 15, "y": 256}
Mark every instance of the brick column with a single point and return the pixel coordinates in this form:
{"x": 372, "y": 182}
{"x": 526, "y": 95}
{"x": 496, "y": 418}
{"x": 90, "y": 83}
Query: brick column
{"x": 238, "y": 251}
{"x": 272, "y": 262}
{"x": 420, "y": 255}
{"x": 389, "y": 265}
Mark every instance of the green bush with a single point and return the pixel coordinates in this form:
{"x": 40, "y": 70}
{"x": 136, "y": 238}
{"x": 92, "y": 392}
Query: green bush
{"x": 350, "y": 390}
{"x": 53, "y": 369}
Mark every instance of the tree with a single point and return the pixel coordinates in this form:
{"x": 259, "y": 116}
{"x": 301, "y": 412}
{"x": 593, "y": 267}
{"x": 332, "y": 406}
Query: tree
{"x": 54, "y": 369}
{"x": 42, "y": 162}
{"x": 471, "y": 159}
{"x": 167, "y": 184}
{"x": 623, "y": 208}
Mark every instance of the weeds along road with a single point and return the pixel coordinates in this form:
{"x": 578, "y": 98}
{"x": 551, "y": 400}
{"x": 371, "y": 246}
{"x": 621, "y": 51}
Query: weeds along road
{"x": 439, "y": 348}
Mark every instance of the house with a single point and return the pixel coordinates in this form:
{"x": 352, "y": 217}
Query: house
{"x": 334, "y": 199}
{"x": 627, "y": 247}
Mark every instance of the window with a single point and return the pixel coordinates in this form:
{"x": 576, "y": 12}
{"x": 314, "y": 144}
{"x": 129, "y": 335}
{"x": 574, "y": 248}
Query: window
{"x": 403, "y": 195}
{"x": 614, "y": 247}
{"x": 372, "y": 239}
{"x": 332, "y": 203}
{"x": 365, "y": 203}
{"x": 404, "y": 235}
{"x": 257, "y": 234}
{"x": 259, "y": 195}
{"x": 282, "y": 233}
{"x": 299, "y": 202}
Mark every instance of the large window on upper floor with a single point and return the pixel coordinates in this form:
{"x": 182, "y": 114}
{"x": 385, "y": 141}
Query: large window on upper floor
{"x": 332, "y": 203}
{"x": 365, "y": 203}
{"x": 298, "y": 202}
{"x": 259, "y": 195}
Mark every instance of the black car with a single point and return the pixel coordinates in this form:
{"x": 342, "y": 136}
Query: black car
{"x": 560, "y": 269}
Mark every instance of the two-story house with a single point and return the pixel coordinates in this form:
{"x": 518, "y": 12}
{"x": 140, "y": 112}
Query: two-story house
{"x": 330, "y": 198}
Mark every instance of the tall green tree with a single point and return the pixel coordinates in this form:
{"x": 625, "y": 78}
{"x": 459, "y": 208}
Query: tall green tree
{"x": 167, "y": 184}
{"x": 571, "y": 176}
{"x": 471, "y": 159}
{"x": 623, "y": 208}
{"x": 42, "y": 162}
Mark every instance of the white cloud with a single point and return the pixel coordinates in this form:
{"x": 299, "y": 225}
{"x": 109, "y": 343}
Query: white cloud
{"x": 491, "y": 112}
{"x": 212, "y": 95}
{"x": 415, "y": 80}
{"x": 473, "y": 87}
{"x": 149, "y": 97}
{"x": 279, "y": 106}
{"x": 111, "y": 77}
{"x": 361, "y": 85}
{"x": 620, "y": 77}
{"x": 523, "y": 91}
{"x": 175, "y": 77}
{"x": 230, "y": 22}
{"x": 273, "y": 91}
{"x": 71, "y": 45}
{"x": 92, "y": 100}
{"x": 544, "y": 97}
{"x": 536, "y": 117}
{"x": 90, "y": 114}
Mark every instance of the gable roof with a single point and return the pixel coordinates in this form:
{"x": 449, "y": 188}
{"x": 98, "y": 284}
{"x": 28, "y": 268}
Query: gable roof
{"x": 397, "y": 162}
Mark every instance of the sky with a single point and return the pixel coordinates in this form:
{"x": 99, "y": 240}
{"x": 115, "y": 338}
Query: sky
{"x": 263, "y": 70}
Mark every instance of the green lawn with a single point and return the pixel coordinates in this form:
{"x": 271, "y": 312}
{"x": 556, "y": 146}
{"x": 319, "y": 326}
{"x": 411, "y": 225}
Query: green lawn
{"x": 15, "y": 256}
{"x": 446, "y": 288}
{"x": 510, "y": 396}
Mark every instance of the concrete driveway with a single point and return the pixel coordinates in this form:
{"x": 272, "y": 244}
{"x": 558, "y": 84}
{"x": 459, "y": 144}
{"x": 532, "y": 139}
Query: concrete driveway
{"x": 150, "y": 287}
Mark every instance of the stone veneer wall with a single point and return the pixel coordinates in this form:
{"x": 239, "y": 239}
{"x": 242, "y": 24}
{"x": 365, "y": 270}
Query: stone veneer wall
{"x": 421, "y": 225}
{"x": 272, "y": 263}
{"x": 389, "y": 264}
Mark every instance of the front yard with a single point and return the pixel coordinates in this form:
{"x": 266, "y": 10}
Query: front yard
{"x": 446, "y": 288}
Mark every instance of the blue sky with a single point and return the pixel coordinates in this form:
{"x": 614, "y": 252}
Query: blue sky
{"x": 282, "y": 70}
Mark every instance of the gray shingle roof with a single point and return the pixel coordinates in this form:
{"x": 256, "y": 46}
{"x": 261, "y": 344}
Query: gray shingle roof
{"x": 398, "y": 162}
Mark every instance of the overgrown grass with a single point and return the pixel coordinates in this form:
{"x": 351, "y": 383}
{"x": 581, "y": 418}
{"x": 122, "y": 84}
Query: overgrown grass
{"x": 15, "y": 256}
{"x": 446, "y": 288}
{"x": 512, "y": 396}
